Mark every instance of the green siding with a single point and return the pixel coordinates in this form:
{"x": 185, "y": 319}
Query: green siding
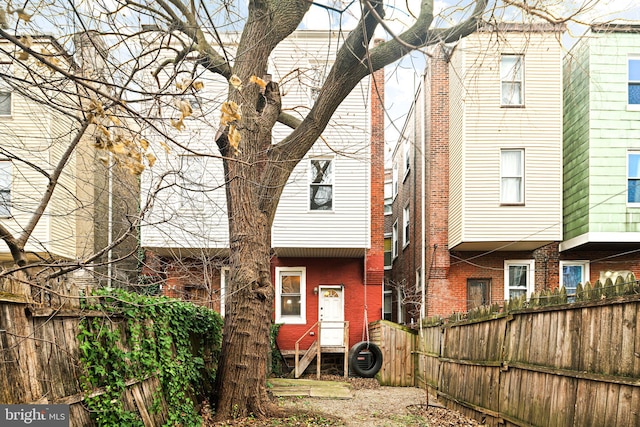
{"x": 576, "y": 142}
{"x": 613, "y": 132}
{"x": 598, "y": 131}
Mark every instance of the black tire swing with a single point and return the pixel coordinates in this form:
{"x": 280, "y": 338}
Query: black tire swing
{"x": 365, "y": 359}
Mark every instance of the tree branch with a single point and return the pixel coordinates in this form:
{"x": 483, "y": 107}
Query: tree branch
{"x": 53, "y": 181}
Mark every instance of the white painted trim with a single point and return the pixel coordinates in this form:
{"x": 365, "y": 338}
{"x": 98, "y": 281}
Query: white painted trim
{"x": 224, "y": 274}
{"x": 530, "y": 279}
{"x": 291, "y": 320}
{"x": 601, "y": 237}
{"x": 585, "y": 264}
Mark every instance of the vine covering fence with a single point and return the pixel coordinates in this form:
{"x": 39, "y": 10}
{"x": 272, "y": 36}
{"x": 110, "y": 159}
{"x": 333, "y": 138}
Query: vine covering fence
{"x": 115, "y": 360}
{"x": 571, "y": 364}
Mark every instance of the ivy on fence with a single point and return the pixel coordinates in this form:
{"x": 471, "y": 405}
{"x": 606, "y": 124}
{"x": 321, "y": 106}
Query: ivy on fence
{"x": 144, "y": 337}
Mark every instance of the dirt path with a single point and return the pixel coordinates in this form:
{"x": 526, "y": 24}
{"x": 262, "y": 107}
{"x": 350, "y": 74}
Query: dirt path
{"x": 383, "y": 407}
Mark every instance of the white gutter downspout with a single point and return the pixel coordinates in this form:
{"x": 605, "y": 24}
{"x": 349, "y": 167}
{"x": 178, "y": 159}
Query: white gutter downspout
{"x": 423, "y": 250}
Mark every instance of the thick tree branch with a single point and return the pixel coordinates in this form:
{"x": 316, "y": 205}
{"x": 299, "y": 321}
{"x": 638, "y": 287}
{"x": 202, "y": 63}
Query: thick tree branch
{"x": 53, "y": 181}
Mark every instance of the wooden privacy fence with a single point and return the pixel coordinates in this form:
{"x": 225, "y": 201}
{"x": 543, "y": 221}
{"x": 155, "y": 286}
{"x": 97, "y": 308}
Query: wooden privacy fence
{"x": 569, "y": 365}
{"x": 40, "y": 354}
{"x": 397, "y": 344}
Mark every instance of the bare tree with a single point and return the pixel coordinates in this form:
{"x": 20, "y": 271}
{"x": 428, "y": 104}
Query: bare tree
{"x": 101, "y": 100}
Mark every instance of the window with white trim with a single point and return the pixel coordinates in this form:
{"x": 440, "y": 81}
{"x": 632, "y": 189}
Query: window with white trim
{"x": 291, "y": 295}
{"x": 6, "y": 90}
{"x": 407, "y": 156}
{"x": 572, "y": 273}
{"x": 395, "y": 181}
{"x": 512, "y": 176}
{"x": 5, "y": 187}
{"x": 224, "y": 275}
{"x": 405, "y": 226}
{"x": 387, "y": 306}
{"x": 394, "y": 239}
{"x": 518, "y": 278}
{"x": 633, "y": 85}
{"x": 321, "y": 184}
{"x": 388, "y": 198}
{"x": 388, "y": 251}
{"x": 633, "y": 177}
{"x": 511, "y": 81}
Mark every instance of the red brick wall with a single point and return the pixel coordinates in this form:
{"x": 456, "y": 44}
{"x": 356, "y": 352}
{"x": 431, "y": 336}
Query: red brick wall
{"x": 375, "y": 255}
{"x": 442, "y": 293}
{"x": 332, "y": 271}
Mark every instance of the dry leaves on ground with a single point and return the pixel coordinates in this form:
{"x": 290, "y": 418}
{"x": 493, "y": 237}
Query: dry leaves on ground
{"x": 372, "y": 406}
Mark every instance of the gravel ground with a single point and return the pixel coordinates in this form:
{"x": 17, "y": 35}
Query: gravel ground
{"x": 372, "y": 406}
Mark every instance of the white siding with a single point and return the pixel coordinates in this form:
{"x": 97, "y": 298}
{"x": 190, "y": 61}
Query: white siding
{"x": 347, "y": 139}
{"x": 172, "y": 223}
{"x": 487, "y": 128}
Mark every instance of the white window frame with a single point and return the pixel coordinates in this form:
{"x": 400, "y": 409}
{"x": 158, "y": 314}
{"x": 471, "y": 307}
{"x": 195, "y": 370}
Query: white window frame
{"x": 632, "y": 82}
{"x": 503, "y": 176}
{"x": 388, "y": 197}
{"x": 513, "y": 80}
{"x": 406, "y": 153}
{"x": 406, "y": 217}
{"x": 6, "y": 166}
{"x": 224, "y": 275}
{"x": 292, "y": 320}
{"x": 331, "y": 183}
{"x": 394, "y": 181}
{"x": 629, "y": 177}
{"x": 389, "y": 236}
{"x": 530, "y": 264}
{"x": 387, "y": 295}
{"x": 585, "y": 264}
{"x": 394, "y": 240}
{"x": 6, "y": 88}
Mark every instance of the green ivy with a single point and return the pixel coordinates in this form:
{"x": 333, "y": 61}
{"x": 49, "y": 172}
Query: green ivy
{"x": 146, "y": 336}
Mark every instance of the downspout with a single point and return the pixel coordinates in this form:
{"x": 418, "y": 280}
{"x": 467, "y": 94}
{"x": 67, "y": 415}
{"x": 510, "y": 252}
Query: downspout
{"x": 110, "y": 225}
{"x": 423, "y": 250}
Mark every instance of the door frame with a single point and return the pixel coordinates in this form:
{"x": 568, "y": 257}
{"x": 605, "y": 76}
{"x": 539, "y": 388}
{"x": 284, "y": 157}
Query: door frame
{"x": 335, "y": 287}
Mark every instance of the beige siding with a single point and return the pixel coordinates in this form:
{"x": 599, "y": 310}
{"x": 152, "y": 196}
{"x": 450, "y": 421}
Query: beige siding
{"x": 30, "y": 134}
{"x": 488, "y": 128}
{"x": 456, "y": 154}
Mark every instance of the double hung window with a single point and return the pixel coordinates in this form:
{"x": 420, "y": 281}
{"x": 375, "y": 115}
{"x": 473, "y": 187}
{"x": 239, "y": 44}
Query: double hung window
{"x": 518, "y": 278}
{"x": 5, "y": 188}
{"x": 511, "y": 81}
{"x": 512, "y": 176}
{"x": 321, "y": 185}
{"x": 634, "y": 82}
{"x": 290, "y": 295}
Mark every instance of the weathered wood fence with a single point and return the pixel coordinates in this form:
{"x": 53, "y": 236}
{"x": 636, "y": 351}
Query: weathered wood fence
{"x": 568, "y": 365}
{"x": 40, "y": 355}
{"x": 397, "y": 344}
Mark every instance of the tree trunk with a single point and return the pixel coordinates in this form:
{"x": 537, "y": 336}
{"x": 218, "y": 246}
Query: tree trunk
{"x": 242, "y": 369}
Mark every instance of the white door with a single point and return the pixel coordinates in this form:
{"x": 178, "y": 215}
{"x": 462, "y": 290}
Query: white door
{"x": 331, "y": 316}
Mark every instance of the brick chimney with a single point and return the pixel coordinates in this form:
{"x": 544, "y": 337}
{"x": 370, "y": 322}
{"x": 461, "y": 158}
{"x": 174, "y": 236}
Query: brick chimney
{"x": 375, "y": 255}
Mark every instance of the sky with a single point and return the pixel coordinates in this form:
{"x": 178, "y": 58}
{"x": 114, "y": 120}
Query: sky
{"x": 402, "y": 77}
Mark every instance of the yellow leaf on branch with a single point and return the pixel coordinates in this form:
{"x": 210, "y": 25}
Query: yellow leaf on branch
{"x": 257, "y": 80}
{"x": 236, "y": 82}
{"x": 151, "y": 159}
{"x": 23, "y": 15}
{"x": 230, "y": 113}
{"x": 234, "y": 139}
